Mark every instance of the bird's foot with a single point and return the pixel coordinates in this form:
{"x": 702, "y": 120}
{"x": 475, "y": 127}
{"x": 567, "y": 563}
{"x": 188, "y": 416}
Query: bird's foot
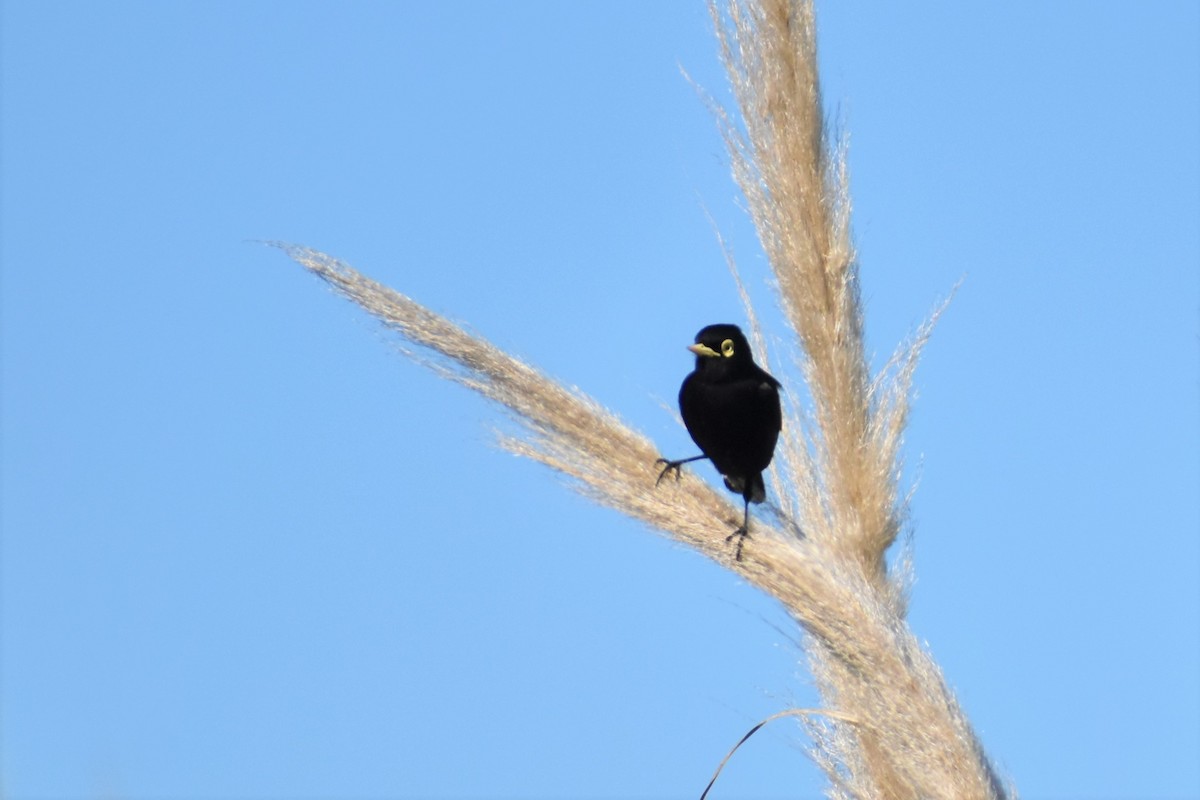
{"x": 674, "y": 465}
{"x": 742, "y": 534}
{"x": 670, "y": 465}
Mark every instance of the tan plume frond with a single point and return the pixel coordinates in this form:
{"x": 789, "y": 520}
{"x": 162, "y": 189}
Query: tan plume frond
{"x": 876, "y": 671}
{"x": 797, "y": 192}
{"x": 839, "y": 458}
{"x": 796, "y": 186}
{"x": 566, "y": 430}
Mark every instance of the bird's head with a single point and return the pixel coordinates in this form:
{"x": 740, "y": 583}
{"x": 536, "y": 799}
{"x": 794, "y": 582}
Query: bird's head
{"x": 721, "y": 350}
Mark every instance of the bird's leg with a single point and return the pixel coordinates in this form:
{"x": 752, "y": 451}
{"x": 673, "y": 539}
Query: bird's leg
{"x": 673, "y": 465}
{"x": 741, "y": 533}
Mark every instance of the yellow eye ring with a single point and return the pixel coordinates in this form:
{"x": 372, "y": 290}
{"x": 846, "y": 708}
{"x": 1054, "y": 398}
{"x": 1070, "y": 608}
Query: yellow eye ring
{"x": 727, "y": 348}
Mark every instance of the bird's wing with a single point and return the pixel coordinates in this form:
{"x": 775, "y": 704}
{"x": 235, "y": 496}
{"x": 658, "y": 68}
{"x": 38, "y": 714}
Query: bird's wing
{"x": 736, "y": 423}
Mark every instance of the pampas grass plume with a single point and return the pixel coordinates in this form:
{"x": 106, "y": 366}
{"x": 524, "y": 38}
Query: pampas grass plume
{"x": 892, "y": 728}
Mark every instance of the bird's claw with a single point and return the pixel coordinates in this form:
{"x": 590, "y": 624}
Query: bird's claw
{"x": 742, "y": 534}
{"x": 670, "y": 465}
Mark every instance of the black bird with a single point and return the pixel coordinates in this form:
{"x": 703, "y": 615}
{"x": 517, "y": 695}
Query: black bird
{"x": 730, "y": 406}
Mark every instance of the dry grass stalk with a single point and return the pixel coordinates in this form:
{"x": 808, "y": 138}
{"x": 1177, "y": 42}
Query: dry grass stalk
{"x": 838, "y": 477}
{"x": 843, "y": 460}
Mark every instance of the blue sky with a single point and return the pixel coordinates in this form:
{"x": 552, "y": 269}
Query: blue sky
{"x": 250, "y": 551}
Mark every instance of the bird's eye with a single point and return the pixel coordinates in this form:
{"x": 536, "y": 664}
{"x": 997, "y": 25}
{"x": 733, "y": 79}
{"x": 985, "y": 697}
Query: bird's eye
{"x": 727, "y": 348}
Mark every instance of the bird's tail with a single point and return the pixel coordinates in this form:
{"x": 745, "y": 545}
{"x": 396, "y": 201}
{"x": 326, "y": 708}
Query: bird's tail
{"x": 750, "y": 487}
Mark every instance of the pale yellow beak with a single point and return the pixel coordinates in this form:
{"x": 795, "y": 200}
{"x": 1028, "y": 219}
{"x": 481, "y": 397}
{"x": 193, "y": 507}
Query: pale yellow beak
{"x": 703, "y": 350}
